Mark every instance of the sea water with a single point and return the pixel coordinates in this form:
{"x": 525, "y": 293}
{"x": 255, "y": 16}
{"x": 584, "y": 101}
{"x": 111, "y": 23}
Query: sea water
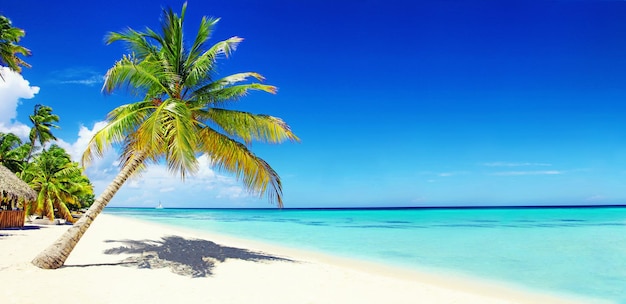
{"x": 578, "y": 251}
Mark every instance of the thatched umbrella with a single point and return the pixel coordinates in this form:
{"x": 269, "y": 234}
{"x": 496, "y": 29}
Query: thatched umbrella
{"x": 13, "y": 189}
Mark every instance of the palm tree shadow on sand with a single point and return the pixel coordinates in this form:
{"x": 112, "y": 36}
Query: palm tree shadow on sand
{"x": 189, "y": 257}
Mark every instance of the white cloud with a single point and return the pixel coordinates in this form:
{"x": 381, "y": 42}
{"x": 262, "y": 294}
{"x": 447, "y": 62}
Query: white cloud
{"x": 515, "y": 164}
{"x": 419, "y": 200}
{"x": 78, "y": 75}
{"x": 76, "y": 149}
{"x": 156, "y": 183}
{"x": 444, "y": 174}
{"x": 232, "y": 192}
{"x": 17, "y": 128}
{"x": 518, "y": 173}
{"x": 596, "y": 199}
{"x": 168, "y": 189}
{"x": 448, "y": 174}
{"x": 12, "y": 89}
{"x": 205, "y": 188}
{"x": 132, "y": 183}
{"x": 90, "y": 81}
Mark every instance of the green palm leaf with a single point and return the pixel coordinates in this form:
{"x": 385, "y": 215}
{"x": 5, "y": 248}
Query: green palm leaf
{"x": 232, "y": 156}
{"x": 181, "y": 104}
{"x": 249, "y": 127}
{"x": 172, "y": 121}
{"x": 58, "y": 181}
{"x": 122, "y": 120}
{"x": 9, "y": 48}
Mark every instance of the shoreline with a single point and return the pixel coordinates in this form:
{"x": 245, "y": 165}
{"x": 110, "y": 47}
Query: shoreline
{"x": 263, "y": 271}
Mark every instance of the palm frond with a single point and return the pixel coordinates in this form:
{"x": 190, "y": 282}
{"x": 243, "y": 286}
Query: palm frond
{"x": 9, "y": 49}
{"x": 172, "y": 38}
{"x": 122, "y": 121}
{"x": 136, "y": 42}
{"x": 234, "y": 157}
{"x": 65, "y": 212}
{"x": 140, "y": 76}
{"x": 201, "y": 67}
{"x": 67, "y": 171}
{"x": 225, "y": 47}
{"x": 249, "y": 127}
{"x": 130, "y": 151}
{"x": 232, "y": 93}
{"x": 150, "y": 135}
{"x": 48, "y": 208}
{"x": 223, "y": 90}
{"x": 180, "y": 133}
{"x": 230, "y": 80}
{"x": 174, "y": 121}
{"x": 204, "y": 34}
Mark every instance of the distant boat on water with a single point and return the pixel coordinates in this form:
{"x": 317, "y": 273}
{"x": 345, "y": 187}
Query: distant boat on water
{"x": 160, "y": 206}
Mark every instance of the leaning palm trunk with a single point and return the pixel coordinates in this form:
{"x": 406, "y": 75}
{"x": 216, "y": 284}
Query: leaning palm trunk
{"x": 180, "y": 117}
{"x": 55, "y": 255}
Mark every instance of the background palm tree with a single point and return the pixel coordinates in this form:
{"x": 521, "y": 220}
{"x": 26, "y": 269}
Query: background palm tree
{"x": 58, "y": 181}
{"x": 43, "y": 120}
{"x": 181, "y": 115}
{"x": 12, "y": 152}
{"x": 9, "y": 49}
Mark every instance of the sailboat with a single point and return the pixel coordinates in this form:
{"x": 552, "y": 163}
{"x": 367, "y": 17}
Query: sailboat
{"x": 160, "y": 206}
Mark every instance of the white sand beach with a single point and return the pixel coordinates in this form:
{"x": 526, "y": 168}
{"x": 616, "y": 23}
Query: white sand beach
{"x": 251, "y": 272}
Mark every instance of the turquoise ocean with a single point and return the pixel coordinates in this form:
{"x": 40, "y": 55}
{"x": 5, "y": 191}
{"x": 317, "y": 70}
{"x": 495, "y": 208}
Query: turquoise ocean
{"x": 575, "y": 251}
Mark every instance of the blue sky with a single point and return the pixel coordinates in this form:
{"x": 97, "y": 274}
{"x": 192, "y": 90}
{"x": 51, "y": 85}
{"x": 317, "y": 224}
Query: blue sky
{"x": 397, "y": 103}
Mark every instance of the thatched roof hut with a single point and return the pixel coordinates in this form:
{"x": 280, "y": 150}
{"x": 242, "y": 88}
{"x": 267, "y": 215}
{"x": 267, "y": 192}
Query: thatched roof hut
{"x": 13, "y": 189}
{"x": 12, "y": 192}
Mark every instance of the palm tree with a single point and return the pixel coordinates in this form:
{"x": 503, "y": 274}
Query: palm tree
{"x": 42, "y": 120}
{"x": 12, "y": 152}
{"x": 9, "y": 49}
{"x": 181, "y": 116}
{"x": 58, "y": 181}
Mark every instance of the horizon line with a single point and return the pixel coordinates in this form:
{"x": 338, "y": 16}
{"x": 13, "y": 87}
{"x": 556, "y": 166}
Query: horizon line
{"x": 394, "y": 208}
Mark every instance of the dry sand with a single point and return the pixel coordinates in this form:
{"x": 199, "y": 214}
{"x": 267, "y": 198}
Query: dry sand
{"x": 98, "y": 271}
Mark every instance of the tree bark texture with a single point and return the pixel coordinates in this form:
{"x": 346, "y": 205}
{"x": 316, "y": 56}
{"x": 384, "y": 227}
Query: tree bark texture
{"x": 55, "y": 255}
